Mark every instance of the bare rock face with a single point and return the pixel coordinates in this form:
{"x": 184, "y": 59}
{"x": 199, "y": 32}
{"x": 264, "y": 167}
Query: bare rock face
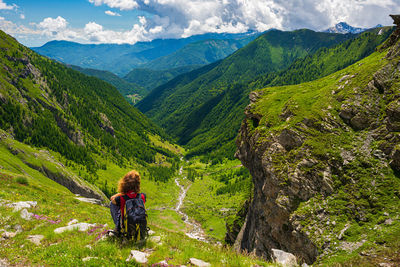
{"x": 70, "y": 181}
{"x": 105, "y": 123}
{"x": 73, "y": 134}
{"x": 395, "y": 163}
{"x": 396, "y": 19}
{"x": 393, "y": 114}
{"x": 268, "y": 222}
{"x": 284, "y": 258}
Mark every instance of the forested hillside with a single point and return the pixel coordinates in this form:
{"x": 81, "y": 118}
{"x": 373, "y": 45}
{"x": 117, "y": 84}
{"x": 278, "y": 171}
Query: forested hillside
{"x": 188, "y": 58}
{"x": 327, "y": 60}
{"x": 124, "y": 87}
{"x": 149, "y": 79}
{"x": 203, "y": 108}
{"x": 46, "y": 104}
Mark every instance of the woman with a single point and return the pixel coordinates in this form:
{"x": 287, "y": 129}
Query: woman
{"x": 128, "y": 187}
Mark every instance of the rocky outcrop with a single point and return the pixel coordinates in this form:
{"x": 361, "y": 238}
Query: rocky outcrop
{"x": 105, "y": 123}
{"x": 268, "y": 223}
{"x": 234, "y": 226}
{"x": 290, "y": 172}
{"x": 54, "y": 170}
{"x": 70, "y": 181}
{"x": 74, "y": 134}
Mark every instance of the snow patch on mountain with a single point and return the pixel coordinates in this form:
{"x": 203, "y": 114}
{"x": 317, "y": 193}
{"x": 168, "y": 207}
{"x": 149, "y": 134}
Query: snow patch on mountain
{"x": 343, "y": 27}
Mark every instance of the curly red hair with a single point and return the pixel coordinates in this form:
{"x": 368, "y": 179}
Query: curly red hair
{"x": 130, "y": 182}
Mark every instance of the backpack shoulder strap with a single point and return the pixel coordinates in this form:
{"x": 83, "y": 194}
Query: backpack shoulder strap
{"x": 143, "y": 196}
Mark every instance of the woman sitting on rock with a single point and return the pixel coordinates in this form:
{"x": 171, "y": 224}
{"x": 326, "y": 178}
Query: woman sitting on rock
{"x": 128, "y": 188}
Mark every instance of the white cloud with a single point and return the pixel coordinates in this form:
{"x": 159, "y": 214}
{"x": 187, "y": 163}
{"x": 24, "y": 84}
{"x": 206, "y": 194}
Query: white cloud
{"x": 53, "y": 25}
{"x": 183, "y": 18}
{"x": 110, "y": 13}
{"x": 94, "y": 32}
{"x": 7, "y": 7}
{"x": 179, "y": 18}
{"x": 22, "y": 16}
{"x": 14, "y": 29}
{"x": 57, "y": 29}
{"x": 121, "y": 4}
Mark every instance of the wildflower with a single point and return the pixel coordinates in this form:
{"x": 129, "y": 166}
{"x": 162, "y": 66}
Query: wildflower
{"x": 101, "y": 234}
{"x": 45, "y": 218}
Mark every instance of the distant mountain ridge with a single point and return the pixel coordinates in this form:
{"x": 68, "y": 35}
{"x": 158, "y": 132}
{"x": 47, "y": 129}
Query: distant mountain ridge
{"x": 343, "y": 27}
{"x": 120, "y": 59}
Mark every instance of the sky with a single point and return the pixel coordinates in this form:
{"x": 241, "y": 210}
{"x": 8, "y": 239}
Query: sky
{"x": 35, "y": 22}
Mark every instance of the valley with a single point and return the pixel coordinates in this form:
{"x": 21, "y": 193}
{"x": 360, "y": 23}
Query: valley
{"x": 249, "y": 146}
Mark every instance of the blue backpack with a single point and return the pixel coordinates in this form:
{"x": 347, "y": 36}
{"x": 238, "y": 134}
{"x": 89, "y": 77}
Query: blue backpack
{"x": 134, "y": 221}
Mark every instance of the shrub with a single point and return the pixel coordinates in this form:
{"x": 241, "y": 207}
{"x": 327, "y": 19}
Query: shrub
{"x": 22, "y": 180}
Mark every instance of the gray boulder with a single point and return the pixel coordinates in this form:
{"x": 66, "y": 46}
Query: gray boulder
{"x": 138, "y": 256}
{"x": 199, "y": 263}
{"x": 35, "y": 239}
{"x": 284, "y": 258}
{"x": 22, "y": 205}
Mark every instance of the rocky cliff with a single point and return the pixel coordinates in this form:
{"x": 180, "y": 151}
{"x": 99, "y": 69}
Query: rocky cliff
{"x": 325, "y": 161}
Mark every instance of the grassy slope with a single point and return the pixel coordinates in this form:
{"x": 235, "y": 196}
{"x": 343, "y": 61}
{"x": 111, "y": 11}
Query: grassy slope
{"x": 216, "y": 193}
{"x": 68, "y": 249}
{"x": 327, "y": 60}
{"x": 366, "y": 190}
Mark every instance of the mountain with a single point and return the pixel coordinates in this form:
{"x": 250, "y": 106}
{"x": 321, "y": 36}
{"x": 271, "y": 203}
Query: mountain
{"x": 325, "y": 159}
{"x": 126, "y": 88}
{"x": 343, "y": 27}
{"x": 86, "y": 120}
{"x": 326, "y": 60}
{"x": 190, "y": 57}
{"x": 149, "y": 79}
{"x": 203, "y": 108}
{"x": 120, "y": 59}
{"x": 199, "y": 53}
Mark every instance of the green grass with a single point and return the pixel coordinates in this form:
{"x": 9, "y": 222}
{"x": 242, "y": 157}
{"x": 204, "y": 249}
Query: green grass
{"x": 58, "y": 206}
{"x": 309, "y": 100}
{"x": 205, "y": 205}
{"x": 68, "y": 249}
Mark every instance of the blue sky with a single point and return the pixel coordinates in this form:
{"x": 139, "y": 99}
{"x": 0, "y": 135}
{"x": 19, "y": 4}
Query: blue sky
{"x": 34, "y": 22}
{"x": 76, "y": 12}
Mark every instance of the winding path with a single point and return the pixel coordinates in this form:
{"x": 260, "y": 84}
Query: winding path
{"x": 195, "y": 232}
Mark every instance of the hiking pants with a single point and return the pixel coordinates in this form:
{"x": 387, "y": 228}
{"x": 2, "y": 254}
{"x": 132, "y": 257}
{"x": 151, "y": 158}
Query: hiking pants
{"x": 116, "y": 215}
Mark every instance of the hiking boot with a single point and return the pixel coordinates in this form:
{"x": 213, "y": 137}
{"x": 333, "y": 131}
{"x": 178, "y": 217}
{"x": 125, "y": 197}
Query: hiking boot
{"x": 116, "y": 232}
